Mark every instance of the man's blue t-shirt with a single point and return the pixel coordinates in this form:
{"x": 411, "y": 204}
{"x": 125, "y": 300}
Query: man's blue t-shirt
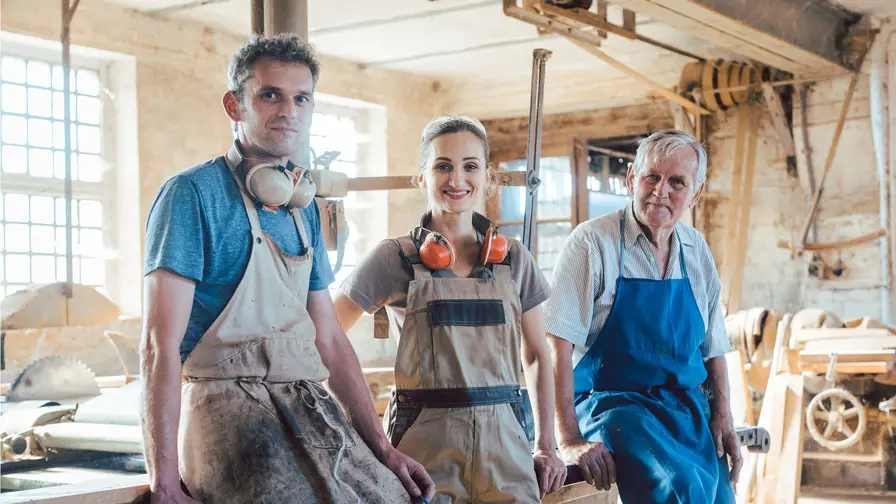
{"x": 198, "y": 229}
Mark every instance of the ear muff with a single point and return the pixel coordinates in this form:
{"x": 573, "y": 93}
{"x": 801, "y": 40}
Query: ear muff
{"x": 304, "y": 191}
{"x": 494, "y": 247}
{"x": 274, "y": 186}
{"x": 269, "y": 184}
{"x": 436, "y": 252}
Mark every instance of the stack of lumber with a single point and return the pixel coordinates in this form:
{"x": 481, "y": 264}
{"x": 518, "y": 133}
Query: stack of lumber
{"x": 862, "y": 346}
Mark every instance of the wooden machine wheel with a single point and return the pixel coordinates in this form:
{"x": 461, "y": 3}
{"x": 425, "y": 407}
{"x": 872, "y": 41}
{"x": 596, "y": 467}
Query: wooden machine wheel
{"x": 836, "y": 419}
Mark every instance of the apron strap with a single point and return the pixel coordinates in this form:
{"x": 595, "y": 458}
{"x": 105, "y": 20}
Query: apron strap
{"x": 621, "y": 241}
{"x": 411, "y": 255}
{"x": 501, "y": 271}
{"x": 300, "y": 226}
{"x": 248, "y": 202}
{"x": 684, "y": 270}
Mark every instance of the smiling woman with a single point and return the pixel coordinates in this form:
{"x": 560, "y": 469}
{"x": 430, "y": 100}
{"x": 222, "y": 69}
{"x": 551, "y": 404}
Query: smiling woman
{"x": 479, "y": 294}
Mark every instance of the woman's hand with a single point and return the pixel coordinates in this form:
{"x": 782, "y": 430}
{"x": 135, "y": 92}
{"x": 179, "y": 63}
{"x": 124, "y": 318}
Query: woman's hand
{"x": 550, "y": 470}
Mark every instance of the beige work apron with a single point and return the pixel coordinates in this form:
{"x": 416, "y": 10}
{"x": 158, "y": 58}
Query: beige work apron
{"x": 457, "y": 408}
{"x": 256, "y": 427}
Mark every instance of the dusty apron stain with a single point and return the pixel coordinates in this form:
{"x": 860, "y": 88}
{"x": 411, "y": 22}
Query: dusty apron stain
{"x": 256, "y": 426}
{"x": 457, "y": 408}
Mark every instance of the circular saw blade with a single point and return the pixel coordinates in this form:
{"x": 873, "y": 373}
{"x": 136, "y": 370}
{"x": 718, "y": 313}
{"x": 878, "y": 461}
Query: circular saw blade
{"x": 53, "y": 378}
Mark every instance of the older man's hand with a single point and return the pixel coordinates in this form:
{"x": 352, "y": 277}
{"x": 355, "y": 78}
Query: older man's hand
{"x": 594, "y": 459}
{"x": 722, "y": 428}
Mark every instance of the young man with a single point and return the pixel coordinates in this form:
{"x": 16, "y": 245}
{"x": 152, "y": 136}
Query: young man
{"x": 240, "y": 329}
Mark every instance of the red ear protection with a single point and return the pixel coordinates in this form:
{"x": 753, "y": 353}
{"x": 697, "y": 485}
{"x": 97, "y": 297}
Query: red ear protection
{"x": 436, "y": 252}
{"x": 494, "y": 247}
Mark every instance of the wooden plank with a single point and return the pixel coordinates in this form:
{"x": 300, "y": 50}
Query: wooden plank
{"x": 582, "y": 493}
{"x": 804, "y": 337}
{"x": 746, "y": 205}
{"x": 885, "y": 356}
{"x": 848, "y": 367}
{"x": 836, "y": 245}
{"x": 117, "y": 490}
{"x": 788, "y": 484}
{"x": 393, "y": 182}
{"x": 740, "y": 401}
{"x": 734, "y": 205}
{"x": 631, "y": 72}
{"x": 770, "y": 51}
{"x": 733, "y": 34}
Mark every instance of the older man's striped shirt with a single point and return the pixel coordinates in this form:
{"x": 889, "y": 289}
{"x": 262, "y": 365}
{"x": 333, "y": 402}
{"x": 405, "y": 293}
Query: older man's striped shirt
{"x": 584, "y": 280}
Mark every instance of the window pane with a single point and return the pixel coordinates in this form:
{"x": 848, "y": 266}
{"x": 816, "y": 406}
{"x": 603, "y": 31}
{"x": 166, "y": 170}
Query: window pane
{"x": 551, "y": 238}
{"x": 60, "y": 211}
{"x": 17, "y": 239}
{"x": 59, "y": 165}
{"x": 93, "y": 272}
{"x": 15, "y": 130}
{"x": 554, "y": 194}
{"x": 60, "y": 239}
{"x": 89, "y": 139}
{"x": 18, "y": 269}
{"x": 39, "y": 74}
{"x": 16, "y": 207}
{"x": 42, "y": 209}
{"x": 40, "y": 133}
{"x": 91, "y": 213}
{"x": 43, "y": 239}
{"x": 40, "y": 162}
{"x": 59, "y": 106}
{"x": 59, "y": 135}
{"x": 40, "y": 102}
{"x": 2, "y": 242}
{"x": 43, "y": 269}
{"x": 89, "y": 110}
{"x": 13, "y": 69}
{"x": 14, "y": 98}
{"x": 91, "y": 242}
{"x": 88, "y": 83}
{"x": 15, "y": 159}
{"x": 90, "y": 168}
{"x": 2, "y": 263}
{"x": 60, "y": 269}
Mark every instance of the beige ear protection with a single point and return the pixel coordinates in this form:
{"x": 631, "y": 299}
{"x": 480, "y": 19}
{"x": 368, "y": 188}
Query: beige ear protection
{"x": 274, "y": 186}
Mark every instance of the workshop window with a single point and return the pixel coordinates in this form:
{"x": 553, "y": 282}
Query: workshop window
{"x": 554, "y": 209}
{"x": 344, "y": 129}
{"x": 32, "y": 162}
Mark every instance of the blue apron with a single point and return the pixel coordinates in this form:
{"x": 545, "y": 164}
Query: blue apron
{"x": 637, "y": 390}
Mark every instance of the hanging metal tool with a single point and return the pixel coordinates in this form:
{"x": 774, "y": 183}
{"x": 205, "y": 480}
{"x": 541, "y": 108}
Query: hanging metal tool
{"x": 533, "y": 149}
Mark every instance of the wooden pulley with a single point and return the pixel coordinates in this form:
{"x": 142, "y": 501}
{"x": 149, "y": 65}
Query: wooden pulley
{"x": 717, "y": 78}
{"x": 708, "y": 80}
{"x": 690, "y": 77}
{"x": 725, "y": 68}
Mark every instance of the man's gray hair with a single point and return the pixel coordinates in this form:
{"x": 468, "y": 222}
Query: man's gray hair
{"x": 285, "y": 47}
{"x": 664, "y": 143}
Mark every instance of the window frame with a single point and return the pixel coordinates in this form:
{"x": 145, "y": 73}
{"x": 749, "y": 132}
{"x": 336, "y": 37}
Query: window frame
{"x": 102, "y": 191}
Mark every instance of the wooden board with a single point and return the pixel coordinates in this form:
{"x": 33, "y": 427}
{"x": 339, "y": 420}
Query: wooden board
{"x": 731, "y": 34}
{"x": 848, "y": 367}
{"x": 804, "y": 337}
{"x": 740, "y": 402}
{"x": 117, "y": 490}
{"x": 787, "y": 489}
{"x": 885, "y": 356}
{"x": 582, "y": 493}
{"x": 746, "y": 205}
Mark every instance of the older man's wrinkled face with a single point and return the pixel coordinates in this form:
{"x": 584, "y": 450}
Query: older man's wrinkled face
{"x": 663, "y": 190}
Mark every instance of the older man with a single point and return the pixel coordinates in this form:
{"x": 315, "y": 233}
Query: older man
{"x": 636, "y": 311}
